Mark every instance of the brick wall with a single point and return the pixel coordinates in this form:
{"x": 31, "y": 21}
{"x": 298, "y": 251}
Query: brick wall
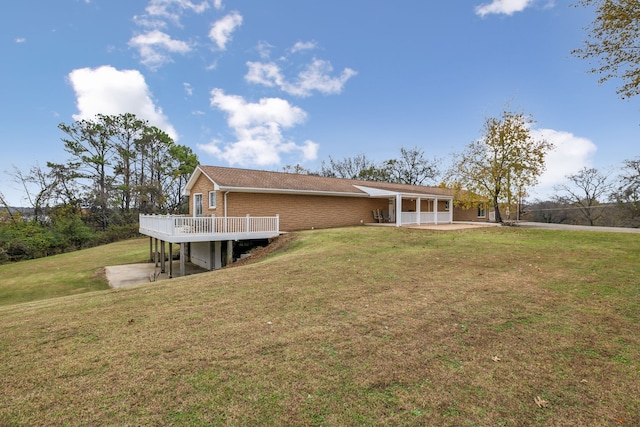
{"x": 471, "y": 214}
{"x": 298, "y": 212}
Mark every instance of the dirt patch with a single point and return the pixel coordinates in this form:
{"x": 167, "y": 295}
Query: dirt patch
{"x": 100, "y": 274}
{"x": 276, "y": 244}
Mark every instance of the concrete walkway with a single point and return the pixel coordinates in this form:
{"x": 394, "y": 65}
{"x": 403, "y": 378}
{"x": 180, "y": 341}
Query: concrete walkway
{"x": 120, "y": 276}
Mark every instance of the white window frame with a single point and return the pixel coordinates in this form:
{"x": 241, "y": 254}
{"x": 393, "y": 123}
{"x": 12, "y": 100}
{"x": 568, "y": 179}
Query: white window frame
{"x": 482, "y": 207}
{"x": 197, "y": 203}
{"x": 447, "y": 204}
{"x": 212, "y": 198}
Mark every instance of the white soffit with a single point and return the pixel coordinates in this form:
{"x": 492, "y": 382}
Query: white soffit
{"x": 377, "y": 192}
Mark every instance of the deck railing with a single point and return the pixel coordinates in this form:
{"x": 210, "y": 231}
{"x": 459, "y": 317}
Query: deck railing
{"x": 176, "y": 225}
{"x": 425, "y": 217}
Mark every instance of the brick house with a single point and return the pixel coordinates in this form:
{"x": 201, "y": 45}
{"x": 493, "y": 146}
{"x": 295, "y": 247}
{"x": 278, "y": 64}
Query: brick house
{"x": 230, "y": 204}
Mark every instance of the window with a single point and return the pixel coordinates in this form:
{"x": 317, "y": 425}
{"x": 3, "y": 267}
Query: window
{"x": 446, "y": 205}
{"x": 212, "y": 199}
{"x": 481, "y": 211}
{"x": 197, "y": 204}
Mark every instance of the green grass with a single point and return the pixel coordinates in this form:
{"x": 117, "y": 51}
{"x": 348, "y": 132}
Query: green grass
{"x": 356, "y": 326}
{"x": 67, "y": 274}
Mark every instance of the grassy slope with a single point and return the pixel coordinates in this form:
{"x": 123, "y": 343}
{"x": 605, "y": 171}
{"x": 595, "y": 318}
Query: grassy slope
{"x": 67, "y": 274}
{"x": 362, "y": 326}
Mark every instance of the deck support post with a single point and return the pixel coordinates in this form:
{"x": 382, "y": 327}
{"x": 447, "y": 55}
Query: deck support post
{"x": 217, "y": 255}
{"x": 182, "y": 260}
{"x": 162, "y": 256}
{"x": 170, "y": 260}
{"x": 150, "y": 249}
{"x": 229, "y": 252}
{"x": 212, "y": 255}
{"x": 155, "y": 252}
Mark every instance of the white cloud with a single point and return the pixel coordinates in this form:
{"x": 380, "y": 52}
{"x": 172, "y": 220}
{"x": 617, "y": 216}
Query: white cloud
{"x": 507, "y": 7}
{"x": 267, "y": 74}
{"x": 20, "y": 40}
{"x": 217, "y": 4}
{"x": 315, "y": 77}
{"x": 264, "y": 49}
{"x": 106, "y": 90}
{"x": 222, "y": 29}
{"x": 300, "y": 46}
{"x": 155, "y": 46}
{"x": 570, "y": 154}
{"x": 188, "y": 89}
{"x": 258, "y": 129}
{"x": 172, "y": 10}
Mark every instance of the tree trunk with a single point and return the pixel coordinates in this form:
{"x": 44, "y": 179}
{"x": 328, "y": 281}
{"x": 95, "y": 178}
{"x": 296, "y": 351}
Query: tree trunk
{"x": 496, "y": 209}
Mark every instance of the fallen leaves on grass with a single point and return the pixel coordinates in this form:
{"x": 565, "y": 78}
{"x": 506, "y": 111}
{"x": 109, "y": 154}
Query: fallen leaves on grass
{"x": 541, "y": 402}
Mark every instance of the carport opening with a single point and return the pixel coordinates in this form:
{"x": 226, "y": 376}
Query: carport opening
{"x": 242, "y": 248}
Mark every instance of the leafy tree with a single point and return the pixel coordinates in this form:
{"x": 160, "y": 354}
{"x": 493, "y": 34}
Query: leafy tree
{"x": 126, "y": 131}
{"x": 614, "y": 43}
{"x": 68, "y": 227}
{"x": 183, "y": 161}
{"x": 120, "y": 166}
{"x": 501, "y": 164}
{"x": 89, "y": 144}
{"x": 584, "y": 192}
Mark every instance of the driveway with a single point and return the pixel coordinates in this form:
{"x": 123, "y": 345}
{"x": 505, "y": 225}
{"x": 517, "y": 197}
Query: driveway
{"x": 543, "y": 225}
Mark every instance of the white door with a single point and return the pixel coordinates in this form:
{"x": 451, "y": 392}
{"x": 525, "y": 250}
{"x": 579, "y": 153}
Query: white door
{"x": 392, "y": 210}
{"x": 197, "y": 205}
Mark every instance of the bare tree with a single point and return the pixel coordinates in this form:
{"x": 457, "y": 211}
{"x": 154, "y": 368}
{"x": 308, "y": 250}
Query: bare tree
{"x": 585, "y": 192}
{"x": 628, "y": 192}
{"x": 356, "y": 167}
{"x": 411, "y": 168}
{"x": 7, "y": 208}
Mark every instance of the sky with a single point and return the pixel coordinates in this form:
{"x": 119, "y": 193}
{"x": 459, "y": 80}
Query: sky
{"x": 265, "y": 84}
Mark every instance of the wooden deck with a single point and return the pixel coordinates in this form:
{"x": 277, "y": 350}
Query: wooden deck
{"x": 181, "y": 229}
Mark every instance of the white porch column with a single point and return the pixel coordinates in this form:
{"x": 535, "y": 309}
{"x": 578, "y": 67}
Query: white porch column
{"x": 435, "y": 211}
{"x": 398, "y": 210}
{"x": 451, "y": 211}
{"x": 418, "y": 209}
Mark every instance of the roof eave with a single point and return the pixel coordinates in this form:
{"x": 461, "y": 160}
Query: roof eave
{"x": 290, "y": 191}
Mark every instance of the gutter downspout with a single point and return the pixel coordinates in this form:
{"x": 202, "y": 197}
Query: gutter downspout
{"x": 225, "y": 204}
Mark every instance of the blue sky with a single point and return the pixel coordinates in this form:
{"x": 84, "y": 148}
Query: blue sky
{"x": 264, "y": 84}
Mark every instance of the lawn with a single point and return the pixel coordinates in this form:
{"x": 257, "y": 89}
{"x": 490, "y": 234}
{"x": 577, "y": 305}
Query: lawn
{"x": 67, "y": 274}
{"x": 354, "y": 326}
